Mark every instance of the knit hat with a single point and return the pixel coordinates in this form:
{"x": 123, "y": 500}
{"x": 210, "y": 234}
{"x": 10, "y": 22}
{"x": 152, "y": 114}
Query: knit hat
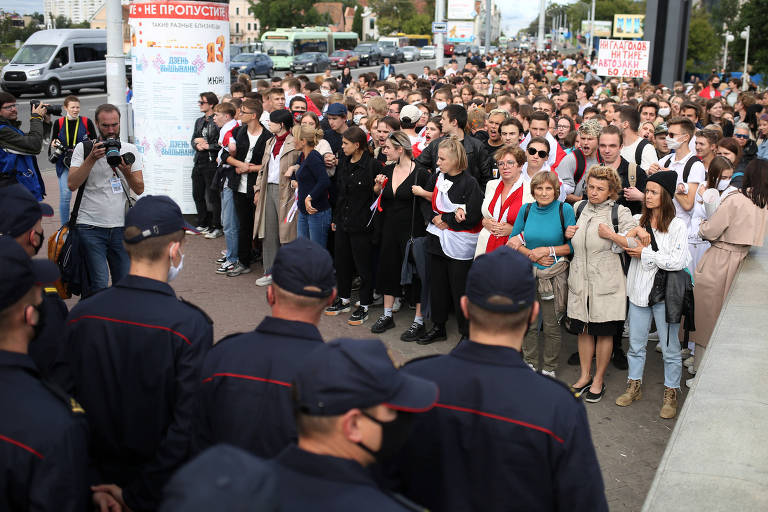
{"x": 667, "y": 180}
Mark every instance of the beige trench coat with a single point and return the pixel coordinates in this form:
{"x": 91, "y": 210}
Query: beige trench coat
{"x": 736, "y": 225}
{"x": 288, "y": 157}
{"x": 596, "y": 277}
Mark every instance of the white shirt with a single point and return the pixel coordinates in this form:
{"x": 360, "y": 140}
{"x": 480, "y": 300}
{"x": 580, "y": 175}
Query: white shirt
{"x": 243, "y": 186}
{"x": 672, "y": 255}
{"x": 696, "y": 176}
{"x": 264, "y": 119}
{"x": 647, "y": 157}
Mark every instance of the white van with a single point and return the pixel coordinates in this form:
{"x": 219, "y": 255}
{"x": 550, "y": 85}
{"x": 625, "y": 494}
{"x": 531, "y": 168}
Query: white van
{"x": 52, "y": 60}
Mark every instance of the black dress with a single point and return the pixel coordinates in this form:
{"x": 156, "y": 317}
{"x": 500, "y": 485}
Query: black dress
{"x": 398, "y": 214}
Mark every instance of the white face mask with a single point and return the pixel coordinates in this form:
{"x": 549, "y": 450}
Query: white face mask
{"x": 325, "y": 92}
{"x": 664, "y": 111}
{"x": 441, "y": 105}
{"x": 356, "y": 119}
{"x": 672, "y": 144}
{"x": 173, "y": 271}
{"x": 723, "y": 184}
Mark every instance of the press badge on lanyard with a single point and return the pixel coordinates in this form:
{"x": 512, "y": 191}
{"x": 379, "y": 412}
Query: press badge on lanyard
{"x": 117, "y": 187}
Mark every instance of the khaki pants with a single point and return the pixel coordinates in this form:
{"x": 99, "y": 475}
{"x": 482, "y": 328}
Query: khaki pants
{"x": 550, "y": 338}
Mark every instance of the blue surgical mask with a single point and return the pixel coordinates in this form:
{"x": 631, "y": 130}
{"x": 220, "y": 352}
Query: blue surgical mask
{"x": 173, "y": 271}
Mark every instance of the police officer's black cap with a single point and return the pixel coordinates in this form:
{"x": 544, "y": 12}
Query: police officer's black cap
{"x": 19, "y": 273}
{"x": 20, "y": 211}
{"x": 282, "y": 117}
{"x": 155, "y": 216}
{"x": 501, "y": 281}
{"x": 222, "y": 478}
{"x": 347, "y": 374}
{"x": 305, "y": 268}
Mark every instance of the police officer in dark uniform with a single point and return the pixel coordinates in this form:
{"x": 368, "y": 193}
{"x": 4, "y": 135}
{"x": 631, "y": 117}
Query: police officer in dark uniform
{"x": 502, "y": 437}
{"x": 132, "y": 357}
{"x": 21, "y": 218}
{"x": 43, "y": 432}
{"x": 353, "y": 409}
{"x": 245, "y": 394}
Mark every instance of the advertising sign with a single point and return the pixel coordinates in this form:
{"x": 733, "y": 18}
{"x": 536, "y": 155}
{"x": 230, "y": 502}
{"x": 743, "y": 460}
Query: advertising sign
{"x": 461, "y": 9}
{"x": 439, "y": 27}
{"x": 178, "y": 50}
{"x": 628, "y": 25}
{"x": 461, "y": 32}
{"x": 602, "y": 28}
{"x": 617, "y": 57}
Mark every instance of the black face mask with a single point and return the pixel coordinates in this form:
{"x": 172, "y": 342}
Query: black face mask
{"x": 37, "y": 246}
{"x": 40, "y": 325}
{"x": 394, "y": 435}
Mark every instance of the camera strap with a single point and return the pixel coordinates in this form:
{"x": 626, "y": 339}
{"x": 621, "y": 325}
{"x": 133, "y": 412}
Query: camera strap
{"x": 122, "y": 185}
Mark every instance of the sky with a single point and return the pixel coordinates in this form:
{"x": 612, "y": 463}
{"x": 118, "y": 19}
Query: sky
{"x": 22, "y": 6}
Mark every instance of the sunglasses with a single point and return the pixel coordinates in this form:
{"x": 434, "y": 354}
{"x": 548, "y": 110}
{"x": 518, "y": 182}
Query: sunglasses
{"x": 740, "y": 136}
{"x": 202, "y": 102}
{"x": 533, "y": 151}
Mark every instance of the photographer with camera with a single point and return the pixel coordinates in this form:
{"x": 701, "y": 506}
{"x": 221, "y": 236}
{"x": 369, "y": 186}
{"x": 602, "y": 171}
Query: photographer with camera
{"x": 67, "y": 131}
{"x": 104, "y": 171}
{"x": 17, "y": 149}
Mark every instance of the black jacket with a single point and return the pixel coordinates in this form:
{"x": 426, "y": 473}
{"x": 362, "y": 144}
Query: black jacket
{"x": 354, "y": 185}
{"x": 479, "y": 162}
{"x": 240, "y": 136}
{"x": 207, "y": 129}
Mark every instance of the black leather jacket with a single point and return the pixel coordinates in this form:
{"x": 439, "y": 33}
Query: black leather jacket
{"x": 207, "y": 129}
{"x": 479, "y": 162}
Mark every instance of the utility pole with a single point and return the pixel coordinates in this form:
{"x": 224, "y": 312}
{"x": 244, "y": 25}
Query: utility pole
{"x": 487, "y": 26}
{"x": 592, "y": 29}
{"x": 116, "y": 89}
{"x": 542, "y": 13}
{"x": 745, "y": 77}
{"x": 439, "y": 16}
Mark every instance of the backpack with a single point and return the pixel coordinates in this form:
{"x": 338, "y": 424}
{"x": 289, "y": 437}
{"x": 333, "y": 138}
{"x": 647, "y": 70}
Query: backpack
{"x": 632, "y": 174}
{"x": 688, "y": 165}
{"x": 614, "y": 214}
{"x": 528, "y": 210}
{"x": 639, "y": 151}
{"x": 83, "y": 120}
{"x": 581, "y": 165}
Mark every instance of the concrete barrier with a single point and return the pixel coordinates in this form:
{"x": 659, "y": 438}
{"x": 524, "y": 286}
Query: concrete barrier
{"x": 717, "y": 456}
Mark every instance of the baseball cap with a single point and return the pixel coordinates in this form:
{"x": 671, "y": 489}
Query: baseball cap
{"x": 19, "y": 272}
{"x": 305, "y": 268}
{"x": 20, "y": 210}
{"x": 336, "y": 109}
{"x": 155, "y": 216}
{"x": 412, "y": 113}
{"x": 501, "y": 281}
{"x": 345, "y": 374}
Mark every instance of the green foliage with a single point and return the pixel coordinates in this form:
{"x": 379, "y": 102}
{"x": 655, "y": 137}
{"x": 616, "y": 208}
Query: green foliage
{"x": 418, "y": 24}
{"x": 703, "y": 47}
{"x": 578, "y": 11}
{"x": 391, "y": 14}
{"x": 357, "y": 21}
{"x": 9, "y": 33}
{"x": 274, "y": 14}
{"x": 755, "y": 14}
{"x": 724, "y": 11}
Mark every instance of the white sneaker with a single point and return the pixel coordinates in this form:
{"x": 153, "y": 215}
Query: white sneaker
{"x": 653, "y": 336}
{"x": 264, "y": 280}
{"x": 688, "y": 363}
{"x": 225, "y": 267}
{"x": 216, "y": 233}
{"x": 691, "y": 370}
{"x": 658, "y": 347}
{"x": 689, "y": 382}
{"x": 202, "y": 229}
{"x": 397, "y": 305}
{"x": 549, "y": 373}
{"x": 531, "y": 366}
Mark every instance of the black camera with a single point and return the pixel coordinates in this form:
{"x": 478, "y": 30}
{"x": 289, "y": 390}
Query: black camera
{"x": 114, "y": 158}
{"x": 52, "y": 109}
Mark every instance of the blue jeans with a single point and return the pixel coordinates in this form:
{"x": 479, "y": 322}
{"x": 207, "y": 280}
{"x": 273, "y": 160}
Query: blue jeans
{"x": 230, "y": 223}
{"x": 315, "y": 226}
{"x": 639, "y": 326}
{"x": 65, "y": 196}
{"x": 105, "y": 254}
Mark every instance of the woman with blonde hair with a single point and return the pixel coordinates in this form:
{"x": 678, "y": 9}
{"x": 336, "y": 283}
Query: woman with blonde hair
{"x": 597, "y": 291}
{"x": 310, "y": 120}
{"x": 310, "y": 179}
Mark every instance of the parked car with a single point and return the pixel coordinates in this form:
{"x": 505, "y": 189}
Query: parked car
{"x": 391, "y": 50}
{"x": 344, "y": 58}
{"x": 474, "y": 49}
{"x": 252, "y": 64}
{"x": 369, "y": 54}
{"x": 448, "y": 49}
{"x": 460, "y": 49}
{"x": 410, "y": 53}
{"x": 427, "y": 52}
{"x": 311, "y": 62}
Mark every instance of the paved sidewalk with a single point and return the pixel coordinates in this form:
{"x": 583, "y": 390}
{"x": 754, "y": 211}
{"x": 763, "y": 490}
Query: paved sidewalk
{"x": 629, "y": 441}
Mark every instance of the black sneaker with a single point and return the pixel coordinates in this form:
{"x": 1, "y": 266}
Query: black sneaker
{"x": 574, "y": 359}
{"x": 619, "y": 359}
{"x": 384, "y": 323}
{"x": 414, "y": 332}
{"x": 359, "y": 316}
{"x": 221, "y": 260}
{"x": 338, "y": 307}
{"x": 436, "y": 333}
{"x": 594, "y": 397}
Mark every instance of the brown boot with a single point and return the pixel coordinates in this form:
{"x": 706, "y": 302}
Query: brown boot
{"x": 634, "y": 392}
{"x": 669, "y": 408}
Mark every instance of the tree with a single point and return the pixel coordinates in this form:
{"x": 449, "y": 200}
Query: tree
{"x": 703, "y": 44}
{"x": 357, "y": 21}
{"x": 755, "y": 14}
{"x": 390, "y": 13}
{"x": 284, "y": 13}
{"x": 418, "y": 24}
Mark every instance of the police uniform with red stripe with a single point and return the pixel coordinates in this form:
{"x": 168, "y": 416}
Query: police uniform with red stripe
{"x": 501, "y": 436}
{"x": 132, "y": 357}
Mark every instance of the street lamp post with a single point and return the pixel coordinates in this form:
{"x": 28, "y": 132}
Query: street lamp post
{"x": 745, "y": 77}
{"x": 728, "y": 39}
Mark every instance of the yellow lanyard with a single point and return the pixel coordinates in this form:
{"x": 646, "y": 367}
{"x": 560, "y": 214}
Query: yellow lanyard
{"x": 66, "y": 128}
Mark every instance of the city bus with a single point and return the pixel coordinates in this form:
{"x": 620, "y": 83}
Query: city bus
{"x": 417, "y": 40}
{"x": 283, "y": 44}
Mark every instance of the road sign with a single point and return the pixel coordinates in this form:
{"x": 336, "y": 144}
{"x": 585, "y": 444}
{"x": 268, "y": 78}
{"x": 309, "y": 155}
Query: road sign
{"x": 439, "y": 27}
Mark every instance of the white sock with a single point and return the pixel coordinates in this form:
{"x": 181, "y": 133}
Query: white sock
{"x": 388, "y": 312}
{"x": 418, "y": 319}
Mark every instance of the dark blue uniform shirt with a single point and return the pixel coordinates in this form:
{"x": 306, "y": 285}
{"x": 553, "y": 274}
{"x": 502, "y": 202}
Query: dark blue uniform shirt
{"x": 307, "y": 481}
{"x": 132, "y": 357}
{"x": 500, "y": 438}
{"x": 43, "y": 442}
{"x": 246, "y": 390}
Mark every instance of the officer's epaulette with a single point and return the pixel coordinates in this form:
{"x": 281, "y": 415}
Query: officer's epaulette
{"x": 74, "y": 407}
{"x": 561, "y": 383}
{"x": 205, "y": 315}
{"x": 421, "y": 358}
{"x": 51, "y": 291}
{"x": 406, "y": 503}
{"x": 227, "y": 337}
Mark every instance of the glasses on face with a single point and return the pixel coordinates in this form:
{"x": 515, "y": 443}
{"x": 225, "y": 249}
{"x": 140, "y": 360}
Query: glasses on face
{"x": 534, "y": 151}
{"x": 9, "y": 107}
{"x": 741, "y": 136}
{"x": 503, "y": 164}
{"x": 202, "y": 102}
{"x": 564, "y": 126}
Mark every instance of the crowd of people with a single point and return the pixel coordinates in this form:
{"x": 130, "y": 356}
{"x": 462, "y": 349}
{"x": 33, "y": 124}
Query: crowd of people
{"x": 521, "y": 194}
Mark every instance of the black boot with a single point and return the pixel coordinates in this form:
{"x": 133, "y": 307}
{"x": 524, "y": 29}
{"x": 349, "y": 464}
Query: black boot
{"x": 436, "y": 333}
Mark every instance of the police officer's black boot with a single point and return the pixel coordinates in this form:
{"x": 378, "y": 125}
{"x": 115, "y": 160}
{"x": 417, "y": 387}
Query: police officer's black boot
{"x": 436, "y": 333}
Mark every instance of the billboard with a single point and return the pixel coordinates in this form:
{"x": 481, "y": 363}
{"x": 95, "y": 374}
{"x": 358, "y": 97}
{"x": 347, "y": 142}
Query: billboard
{"x": 602, "y": 28}
{"x": 461, "y": 9}
{"x": 178, "y": 50}
{"x": 461, "y": 31}
{"x": 628, "y": 25}
{"x": 622, "y": 58}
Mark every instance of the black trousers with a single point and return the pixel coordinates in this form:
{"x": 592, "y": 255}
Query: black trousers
{"x": 354, "y": 251}
{"x": 245, "y": 211}
{"x": 199, "y": 189}
{"x": 213, "y": 198}
{"x": 447, "y": 283}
